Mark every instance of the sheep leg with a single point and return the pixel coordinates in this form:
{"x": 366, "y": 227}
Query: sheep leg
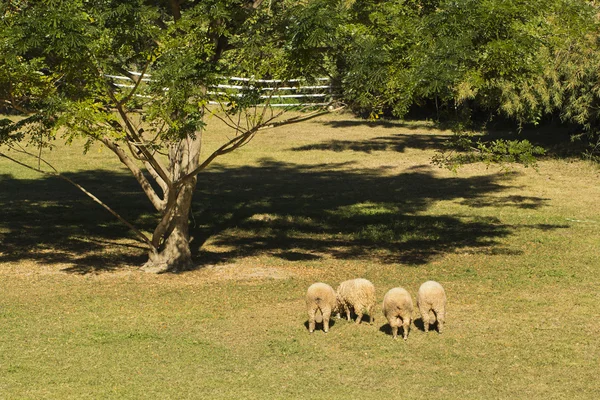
{"x": 326, "y": 315}
{"x": 395, "y": 332}
{"x": 425, "y": 319}
{"x": 348, "y": 313}
{"x": 359, "y": 317}
{"x": 311, "y": 319}
{"x": 371, "y": 315}
{"x": 405, "y": 327}
{"x": 439, "y": 315}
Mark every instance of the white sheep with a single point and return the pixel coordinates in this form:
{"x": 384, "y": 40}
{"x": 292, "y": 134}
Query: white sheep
{"x": 431, "y": 301}
{"x": 398, "y": 309}
{"x": 320, "y": 303}
{"x": 357, "y": 295}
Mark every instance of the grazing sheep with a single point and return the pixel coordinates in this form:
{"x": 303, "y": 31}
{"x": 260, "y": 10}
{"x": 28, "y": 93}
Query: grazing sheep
{"x": 320, "y": 303}
{"x": 431, "y": 299}
{"x": 356, "y": 295}
{"x": 398, "y": 309}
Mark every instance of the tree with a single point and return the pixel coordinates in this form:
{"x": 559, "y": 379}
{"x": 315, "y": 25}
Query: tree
{"x": 472, "y": 61}
{"x": 57, "y": 68}
{"x": 367, "y": 46}
{"x": 58, "y": 59}
{"x": 524, "y": 61}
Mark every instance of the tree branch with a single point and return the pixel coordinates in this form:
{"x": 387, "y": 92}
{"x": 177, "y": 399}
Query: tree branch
{"x": 156, "y": 201}
{"x": 140, "y": 146}
{"x": 137, "y": 81}
{"x": 254, "y": 4}
{"x": 175, "y": 10}
{"x": 165, "y": 221}
{"x": 238, "y": 141}
{"x": 301, "y": 118}
{"x": 163, "y": 185}
{"x": 224, "y": 149}
{"x": 227, "y": 121}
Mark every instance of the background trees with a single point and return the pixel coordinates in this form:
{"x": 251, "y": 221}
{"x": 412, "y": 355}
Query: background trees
{"x": 469, "y": 61}
{"x": 463, "y": 59}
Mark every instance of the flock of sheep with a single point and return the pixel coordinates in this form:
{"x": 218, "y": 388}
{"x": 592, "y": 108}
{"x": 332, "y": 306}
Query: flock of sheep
{"x": 358, "y": 296}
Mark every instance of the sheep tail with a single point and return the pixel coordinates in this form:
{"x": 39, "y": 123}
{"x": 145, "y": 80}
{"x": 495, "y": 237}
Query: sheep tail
{"x": 319, "y": 316}
{"x": 319, "y": 313}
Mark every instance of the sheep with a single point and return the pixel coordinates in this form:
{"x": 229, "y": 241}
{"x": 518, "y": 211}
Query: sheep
{"x": 320, "y": 303}
{"x": 356, "y": 295}
{"x": 431, "y": 298}
{"x": 398, "y": 309}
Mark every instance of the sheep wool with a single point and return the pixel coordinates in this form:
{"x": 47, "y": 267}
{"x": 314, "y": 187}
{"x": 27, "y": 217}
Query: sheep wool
{"x": 398, "y": 309}
{"x": 431, "y": 301}
{"x": 320, "y": 303}
{"x": 357, "y": 295}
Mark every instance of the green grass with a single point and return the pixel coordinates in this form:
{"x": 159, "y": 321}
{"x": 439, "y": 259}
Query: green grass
{"x": 327, "y": 200}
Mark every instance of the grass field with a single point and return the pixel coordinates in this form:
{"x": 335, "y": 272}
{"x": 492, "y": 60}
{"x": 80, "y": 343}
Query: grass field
{"x": 327, "y": 200}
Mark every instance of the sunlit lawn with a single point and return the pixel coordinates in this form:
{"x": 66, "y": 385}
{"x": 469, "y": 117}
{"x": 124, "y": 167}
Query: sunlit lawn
{"x": 326, "y": 200}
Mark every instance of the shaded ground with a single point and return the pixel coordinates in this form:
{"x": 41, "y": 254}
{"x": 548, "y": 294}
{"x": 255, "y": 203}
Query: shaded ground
{"x": 295, "y": 212}
{"x": 398, "y": 140}
{"x": 556, "y": 139}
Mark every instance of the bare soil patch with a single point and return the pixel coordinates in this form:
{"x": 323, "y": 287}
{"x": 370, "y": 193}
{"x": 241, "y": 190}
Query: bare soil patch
{"x": 244, "y": 272}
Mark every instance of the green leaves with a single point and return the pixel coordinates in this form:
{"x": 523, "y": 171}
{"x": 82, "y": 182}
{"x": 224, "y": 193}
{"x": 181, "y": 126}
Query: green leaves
{"x": 469, "y": 58}
{"x": 64, "y": 52}
{"x": 37, "y": 129}
{"x": 370, "y": 53}
{"x": 465, "y": 149}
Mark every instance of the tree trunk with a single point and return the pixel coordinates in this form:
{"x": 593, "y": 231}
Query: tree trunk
{"x": 174, "y": 254}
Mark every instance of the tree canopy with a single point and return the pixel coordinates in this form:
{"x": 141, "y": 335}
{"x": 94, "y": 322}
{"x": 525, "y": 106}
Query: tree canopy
{"x": 466, "y": 60}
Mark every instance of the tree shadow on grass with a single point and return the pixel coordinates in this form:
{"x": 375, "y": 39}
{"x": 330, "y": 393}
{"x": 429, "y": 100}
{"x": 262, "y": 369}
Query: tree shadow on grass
{"x": 397, "y": 142}
{"x": 304, "y": 212}
{"x": 49, "y": 221}
{"x": 380, "y": 123}
{"x": 296, "y": 212}
{"x": 556, "y": 139}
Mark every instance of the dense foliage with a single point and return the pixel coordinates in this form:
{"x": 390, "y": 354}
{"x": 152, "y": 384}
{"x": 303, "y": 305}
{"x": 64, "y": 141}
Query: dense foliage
{"x": 465, "y": 60}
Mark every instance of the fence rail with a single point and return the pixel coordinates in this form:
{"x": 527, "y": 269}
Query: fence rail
{"x": 288, "y": 95}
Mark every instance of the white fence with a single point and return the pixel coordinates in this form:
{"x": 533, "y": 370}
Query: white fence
{"x": 289, "y": 93}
